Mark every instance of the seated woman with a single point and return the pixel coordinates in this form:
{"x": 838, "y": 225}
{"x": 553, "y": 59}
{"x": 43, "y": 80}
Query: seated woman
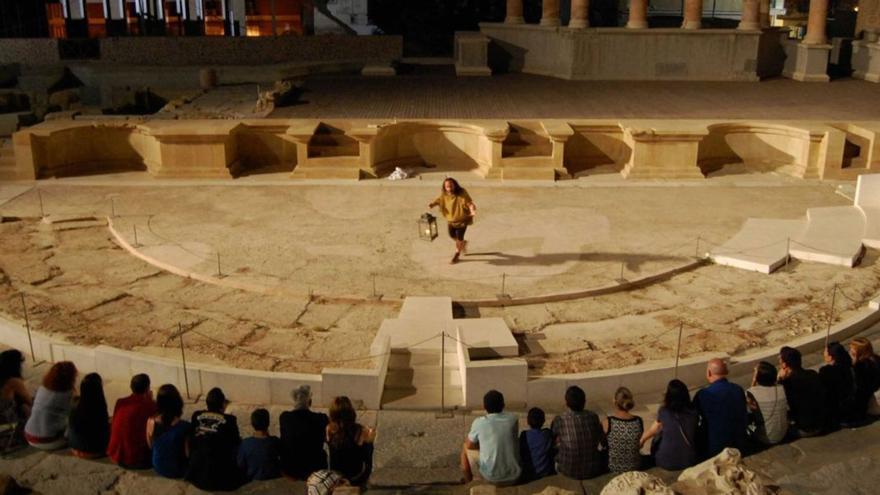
{"x": 624, "y": 432}
{"x": 840, "y": 388}
{"x": 47, "y": 427}
{"x": 351, "y": 444}
{"x": 866, "y": 366}
{"x": 768, "y": 406}
{"x": 675, "y": 429}
{"x": 89, "y": 422}
{"x": 167, "y": 433}
{"x": 15, "y": 399}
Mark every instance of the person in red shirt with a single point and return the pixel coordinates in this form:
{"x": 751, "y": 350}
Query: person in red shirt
{"x": 128, "y": 439}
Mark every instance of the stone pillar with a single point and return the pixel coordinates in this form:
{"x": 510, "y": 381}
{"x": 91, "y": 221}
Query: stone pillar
{"x": 514, "y": 12}
{"x": 114, "y": 18}
{"x": 816, "y": 23}
{"x": 749, "y": 18}
{"x": 580, "y": 14}
{"x": 550, "y": 13}
{"x": 764, "y": 15}
{"x": 638, "y": 14}
{"x": 693, "y": 14}
{"x": 236, "y": 18}
{"x": 77, "y": 9}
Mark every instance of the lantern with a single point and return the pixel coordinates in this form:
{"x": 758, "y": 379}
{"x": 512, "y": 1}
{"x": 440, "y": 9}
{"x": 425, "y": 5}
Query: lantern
{"x": 428, "y": 227}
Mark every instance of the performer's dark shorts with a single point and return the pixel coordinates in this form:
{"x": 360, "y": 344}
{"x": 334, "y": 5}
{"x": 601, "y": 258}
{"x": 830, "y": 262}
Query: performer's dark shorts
{"x": 457, "y": 233}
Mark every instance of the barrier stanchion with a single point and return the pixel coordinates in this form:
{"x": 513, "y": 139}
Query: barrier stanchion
{"x": 113, "y": 207}
{"x": 503, "y": 294}
{"x": 375, "y": 296}
{"x": 183, "y": 359}
{"x": 27, "y": 325}
{"x": 678, "y": 350}
{"x": 40, "y": 197}
{"x": 787, "y": 251}
{"x": 219, "y": 272}
{"x": 830, "y": 315}
{"x": 697, "y": 252}
{"x": 620, "y": 279}
{"x": 136, "y": 243}
{"x": 443, "y": 413}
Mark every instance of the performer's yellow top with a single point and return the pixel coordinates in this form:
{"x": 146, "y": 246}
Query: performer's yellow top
{"x": 455, "y": 208}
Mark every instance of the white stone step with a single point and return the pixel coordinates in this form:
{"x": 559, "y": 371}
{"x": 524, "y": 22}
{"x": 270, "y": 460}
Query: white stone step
{"x": 421, "y": 377}
{"x": 871, "y": 237}
{"x": 426, "y": 398}
{"x": 761, "y": 245}
{"x": 833, "y": 236}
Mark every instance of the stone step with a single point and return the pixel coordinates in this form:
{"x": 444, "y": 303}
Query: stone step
{"x": 424, "y": 398}
{"x": 421, "y": 377}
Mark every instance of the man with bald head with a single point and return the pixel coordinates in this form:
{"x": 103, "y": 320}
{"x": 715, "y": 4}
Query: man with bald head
{"x": 722, "y": 406}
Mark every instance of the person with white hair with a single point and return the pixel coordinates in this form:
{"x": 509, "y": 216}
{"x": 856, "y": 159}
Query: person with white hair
{"x": 302, "y": 436}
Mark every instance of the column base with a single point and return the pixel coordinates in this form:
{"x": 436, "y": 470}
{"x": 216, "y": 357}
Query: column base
{"x": 811, "y": 64}
{"x": 692, "y": 24}
{"x": 514, "y": 20}
{"x": 637, "y": 25}
{"x": 578, "y": 24}
{"x": 866, "y": 61}
{"x": 552, "y": 22}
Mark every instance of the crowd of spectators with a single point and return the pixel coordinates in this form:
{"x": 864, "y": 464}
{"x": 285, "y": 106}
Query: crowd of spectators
{"x": 327, "y": 450}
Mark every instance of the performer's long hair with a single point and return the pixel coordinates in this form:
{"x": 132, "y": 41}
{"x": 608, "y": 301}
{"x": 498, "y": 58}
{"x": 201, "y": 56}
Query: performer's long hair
{"x": 456, "y": 188}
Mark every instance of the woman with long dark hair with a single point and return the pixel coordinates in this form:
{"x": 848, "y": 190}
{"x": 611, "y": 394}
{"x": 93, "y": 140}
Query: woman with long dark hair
{"x": 459, "y": 210}
{"x": 866, "y": 366}
{"x": 167, "y": 433}
{"x": 89, "y": 422}
{"x": 675, "y": 429}
{"x": 840, "y": 388}
{"x": 351, "y": 444}
{"x": 15, "y": 399}
{"x": 46, "y": 429}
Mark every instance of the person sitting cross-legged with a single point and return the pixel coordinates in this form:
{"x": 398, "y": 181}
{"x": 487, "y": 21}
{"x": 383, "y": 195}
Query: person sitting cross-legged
{"x": 89, "y": 429}
{"x": 624, "y": 433}
{"x": 578, "y": 436}
{"x": 128, "y": 443}
{"x": 46, "y": 428}
{"x": 536, "y": 447}
{"x": 167, "y": 433}
{"x": 303, "y": 433}
{"x": 259, "y": 455}
{"x": 214, "y": 446}
{"x": 490, "y": 449}
{"x": 350, "y": 443}
{"x": 722, "y": 406}
{"x": 807, "y": 404}
{"x": 767, "y": 406}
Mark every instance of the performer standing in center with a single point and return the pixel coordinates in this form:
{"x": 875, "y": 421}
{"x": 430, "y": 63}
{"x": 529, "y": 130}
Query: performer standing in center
{"x": 459, "y": 210}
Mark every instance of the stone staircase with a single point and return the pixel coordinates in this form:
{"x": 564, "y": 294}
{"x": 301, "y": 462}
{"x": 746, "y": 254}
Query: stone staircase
{"x": 415, "y": 381}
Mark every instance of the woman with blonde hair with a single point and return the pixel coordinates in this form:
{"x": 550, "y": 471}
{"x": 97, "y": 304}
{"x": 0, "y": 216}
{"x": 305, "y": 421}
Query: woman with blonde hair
{"x": 866, "y": 367}
{"x": 46, "y": 429}
{"x": 459, "y": 210}
{"x": 351, "y": 444}
{"x": 624, "y": 432}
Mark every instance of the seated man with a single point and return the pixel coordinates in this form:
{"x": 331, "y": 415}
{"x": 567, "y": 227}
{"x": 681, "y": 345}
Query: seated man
{"x": 213, "y": 447}
{"x": 128, "y": 439}
{"x": 722, "y": 405}
{"x": 578, "y": 435}
{"x": 807, "y": 407}
{"x": 490, "y": 449}
{"x": 302, "y": 436}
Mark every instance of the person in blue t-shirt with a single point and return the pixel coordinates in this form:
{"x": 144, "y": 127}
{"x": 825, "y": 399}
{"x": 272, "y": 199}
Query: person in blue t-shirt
{"x": 259, "y": 456}
{"x": 536, "y": 447}
{"x": 490, "y": 450}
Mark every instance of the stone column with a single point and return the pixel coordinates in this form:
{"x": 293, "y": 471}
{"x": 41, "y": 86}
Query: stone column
{"x": 550, "y": 13}
{"x": 638, "y": 14}
{"x": 580, "y": 14}
{"x": 514, "y": 12}
{"x": 816, "y": 23}
{"x": 693, "y": 14}
{"x": 749, "y": 18}
{"x": 764, "y": 15}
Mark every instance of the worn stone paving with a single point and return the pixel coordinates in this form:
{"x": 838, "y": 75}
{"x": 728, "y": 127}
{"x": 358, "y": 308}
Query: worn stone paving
{"x": 521, "y": 96}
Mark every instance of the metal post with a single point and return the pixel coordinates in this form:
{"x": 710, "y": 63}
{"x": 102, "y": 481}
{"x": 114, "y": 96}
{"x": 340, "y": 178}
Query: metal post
{"x": 374, "y": 285}
{"x": 183, "y": 358}
{"x": 678, "y": 349}
{"x": 136, "y": 243}
{"x": 697, "y": 252}
{"x": 40, "y": 196}
{"x": 622, "y": 266}
{"x": 27, "y": 325}
{"x": 503, "y": 283}
{"x": 831, "y": 315}
{"x": 443, "y": 372}
{"x": 787, "y": 251}
{"x": 219, "y": 273}
{"x": 112, "y": 207}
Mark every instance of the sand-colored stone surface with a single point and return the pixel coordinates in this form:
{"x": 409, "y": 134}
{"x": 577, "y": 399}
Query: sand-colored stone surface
{"x": 331, "y": 240}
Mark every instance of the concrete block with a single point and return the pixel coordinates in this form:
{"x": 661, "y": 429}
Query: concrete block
{"x": 487, "y": 337}
{"x": 427, "y": 308}
{"x": 761, "y": 245}
{"x": 243, "y": 386}
{"x": 871, "y": 237}
{"x": 358, "y": 385}
{"x": 811, "y": 63}
{"x": 866, "y": 60}
{"x": 833, "y": 235}
{"x": 113, "y": 363}
{"x": 82, "y": 357}
{"x": 508, "y": 376}
{"x": 868, "y": 191}
{"x": 546, "y": 392}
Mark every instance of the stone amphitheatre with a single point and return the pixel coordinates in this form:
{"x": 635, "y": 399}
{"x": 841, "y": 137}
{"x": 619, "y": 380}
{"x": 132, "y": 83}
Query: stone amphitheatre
{"x": 236, "y": 225}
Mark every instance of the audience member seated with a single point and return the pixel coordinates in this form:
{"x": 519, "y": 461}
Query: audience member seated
{"x": 214, "y": 446}
{"x": 302, "y": 436}
{"x": 767, "y": 405}
{"x": 89, "y": 431}
{"x": 722, "y": 406}
{"x": 624, "y": 433}
{"x": 807, "y": 406}
{"x": 490, "y": 450}
{"x": 15, "y": 399}
{"x": 167, "y": 433}
{"x": 536, "y": 447}
{"x": 351, "y": 444}
{"x": 46, "y": 429}
{"x": 866, "y": 366}
{"x": 259, "y": 455}
{"x": 128, "y": 443}
{"x": 675, "y": 430}
{"x": 578, "y": 436}
{"x": 837, "y": 376}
